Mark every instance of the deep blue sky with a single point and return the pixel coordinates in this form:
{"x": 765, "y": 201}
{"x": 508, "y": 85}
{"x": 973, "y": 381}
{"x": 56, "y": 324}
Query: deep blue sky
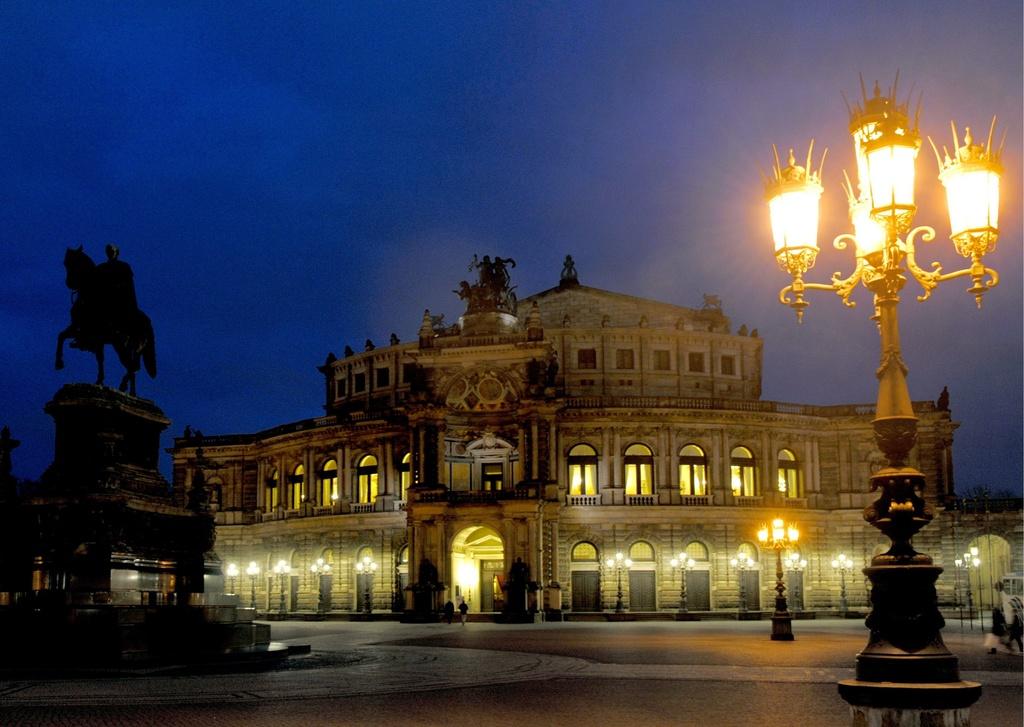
{"x": 288, "y": 178}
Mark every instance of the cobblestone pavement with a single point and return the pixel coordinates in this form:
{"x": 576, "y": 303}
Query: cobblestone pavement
{"x": 354, "y": 676}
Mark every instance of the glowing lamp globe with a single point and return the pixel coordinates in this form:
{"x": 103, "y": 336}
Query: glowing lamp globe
{"x": 971, "y": 179}
{"x": 793, "y": 196}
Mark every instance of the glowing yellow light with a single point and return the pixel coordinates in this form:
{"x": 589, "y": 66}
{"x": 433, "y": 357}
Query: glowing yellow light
{"x": 793, "y": 533}
{"x": 868, "y": 234}
{"x": 762, "y": 534}
{"x": 794, "y": 216}
{"x": 972, "y": 193}
{"x": 891, "y": 175}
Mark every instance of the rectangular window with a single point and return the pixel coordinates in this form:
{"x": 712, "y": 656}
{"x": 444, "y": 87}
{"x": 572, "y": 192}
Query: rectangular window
{"x": 583, "y": 479}
{"x": 728, "y": 365}
{"x": 383, "y": 378}
{"x": 491, "y": 476}
{"x": 328, "y": 487}
{"x": 696, "y": 362}
{"x": 359, "y": 383}
{"x": 586, "y": 358}
{"x": 742, "y": 480}
{"x": 638, "y": 479}
{"x": 693, "y": 479}
{"x": 661, "y": 361}
{"x": 407, "y": 372}
{"x": 624, "y": 358}
{"x": 460, "y": 476}
{"x": 367, "y": 486}
{"x": 342, "y": 387}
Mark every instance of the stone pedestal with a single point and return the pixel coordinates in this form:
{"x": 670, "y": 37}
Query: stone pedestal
{"x": 100, "y": 565}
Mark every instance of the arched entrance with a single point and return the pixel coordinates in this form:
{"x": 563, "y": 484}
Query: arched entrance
{"x": 478, "y": 568}
{"x": 993, "y": 555}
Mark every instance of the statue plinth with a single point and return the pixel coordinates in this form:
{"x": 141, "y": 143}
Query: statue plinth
{"x": 488, "y": 323}
{"x": 100, "y": 565}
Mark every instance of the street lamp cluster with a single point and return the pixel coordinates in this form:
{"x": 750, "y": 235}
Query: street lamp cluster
{"x": 319, "y": 569}
{"x": 844, "y": 565}
{"x": 743, "y": 563}
{"x": 682, "y": 563}
{"x": 366, "y": 568}
{"x": 620, "y": 563}
{"x": 905, "y": 645}
{"x": 969, "y": 561}
{"x": 780, "y": 536}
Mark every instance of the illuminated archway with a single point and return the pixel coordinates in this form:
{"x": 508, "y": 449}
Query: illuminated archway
{"x": 478, "y": 568}
{"x": 993, "y": 554}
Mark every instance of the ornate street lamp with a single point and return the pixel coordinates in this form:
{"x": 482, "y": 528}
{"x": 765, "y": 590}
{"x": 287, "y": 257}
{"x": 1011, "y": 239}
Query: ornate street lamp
{"x": 905, "y": 645}
{"x": 320, "y": 569}
{"x": 232, "y": 573}
{"x": 367, "y": 567}
{"x": 620, "y": 563}
{"x": 780, "y": 536}
{"x": 683, "y": 564}
{"x": 283, "y": 570}
{"x": 973, "y": 562}
{"x": 253, "y": 571}
{"x": 742, "y": 563}
{"x": 844, "y": 565}
{"x": 795, "y": 564}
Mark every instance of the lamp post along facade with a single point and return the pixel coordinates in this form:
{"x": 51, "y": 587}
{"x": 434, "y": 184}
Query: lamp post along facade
{"x": 366, "y": 568}
{"x": 844, "y": 565}
{"x": 232, "y": 573}
{"x": 319, "y": 569}
{"x": 620, "y": 563}
{"x": 253, "y": 571}
{"x": 779, "y": 536}
{"x": 905, "y": 646}
{"x": 683, "y": 564}
{"x": 742, "y": 563}
{"x": 282, "y": 569}
{"x": 795, "y": 564}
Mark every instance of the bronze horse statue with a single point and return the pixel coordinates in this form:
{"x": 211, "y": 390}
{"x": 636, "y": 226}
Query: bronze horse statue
{"x": 104, "y": 312}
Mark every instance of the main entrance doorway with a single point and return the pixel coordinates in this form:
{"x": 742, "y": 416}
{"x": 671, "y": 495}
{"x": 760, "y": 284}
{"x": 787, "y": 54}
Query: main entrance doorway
{"x": 478, "y": 569}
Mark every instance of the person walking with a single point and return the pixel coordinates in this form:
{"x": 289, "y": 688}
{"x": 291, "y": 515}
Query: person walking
{"x": 463, "y": 610}
{"x": 996, "y": 634}
{"x": 449, "y": 611}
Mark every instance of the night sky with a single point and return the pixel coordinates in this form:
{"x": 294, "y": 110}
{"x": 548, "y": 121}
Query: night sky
{"x": 289, "y": 178}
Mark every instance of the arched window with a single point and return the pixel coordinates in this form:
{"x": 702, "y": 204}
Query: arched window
{"x": 584, "y": 552}
{"x": 403, "y": 555}
{"x": 693, "y": 471}
{"x": 748, "y": 550}
{"x": 271, "y": 492}
{"x": 363, "y": 553}
{"x": 639, "y": 470}
{"x": 743, "y": 474}
{"x": 582, "y": 470}
{"x": 791, "y": 480}
{"x": 366, "y": 479}
{"x": 405, "y": 474}
{"x": 295, "y": 482}
{"x": 328, "y": 487}
{"x": 697, "y": 551}
{"x": 641, "y": 551}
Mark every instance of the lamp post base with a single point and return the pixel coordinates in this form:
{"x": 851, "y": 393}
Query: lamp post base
{"x": 943, "y": 704}
{"x": 782, "y": 626}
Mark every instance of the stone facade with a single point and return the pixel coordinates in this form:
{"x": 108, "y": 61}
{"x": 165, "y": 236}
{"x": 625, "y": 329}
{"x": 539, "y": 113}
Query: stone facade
{"x": 589, "y": 424}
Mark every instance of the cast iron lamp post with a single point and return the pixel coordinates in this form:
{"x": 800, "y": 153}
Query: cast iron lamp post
{"x": 844, "y": 565}
{"x": 367, "y": 567}
{"x": 232, "y": 574}
{"x": 795, "y": 564}
{"x": 905, "y": 645}
{"x": 683, "y": 564}
{"x": 252, "y": 570}
{"x": 282, "y": 569}
{"x": 971, "y": 560}
{"x": 619, "y": 563}
{"x": 320, "y": 569}
{"x": 742, "y": 563}
{"x": 780, "y": 536}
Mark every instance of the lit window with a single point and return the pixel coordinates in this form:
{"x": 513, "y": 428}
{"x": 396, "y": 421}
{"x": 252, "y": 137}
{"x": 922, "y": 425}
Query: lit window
{"x": 584, "y": 552}
{"x": 639, "y": 461}
{"x": 366, "y": 479}
{"x": 791, "y": 481}
{"x": 624, "y": 358}
{"x": 586, "y": 358}
{"x": 697, "y": 551}
{"x": 695, "y": 362}
{"x": 582, "y": 470}
{"x": 295, "y": 483}
{"x": 405, "y": 474}
{"x": 640, "y": 551}
{"x": 271, "y": 493}
{"x": 743, "y": 478}
{"x": 693, "y": 471}
{"x": 491, "y": 476}
{"x": 661, "y": 361}
{"x": 728, "y": 365}
{"x": 328, "y": 477}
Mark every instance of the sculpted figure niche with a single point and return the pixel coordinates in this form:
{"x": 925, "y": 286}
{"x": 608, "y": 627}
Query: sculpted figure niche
{"x": 104, "y": 312}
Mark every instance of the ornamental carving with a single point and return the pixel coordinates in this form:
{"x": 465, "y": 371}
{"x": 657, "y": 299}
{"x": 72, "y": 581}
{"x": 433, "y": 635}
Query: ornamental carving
{"x": 482, "y": 391}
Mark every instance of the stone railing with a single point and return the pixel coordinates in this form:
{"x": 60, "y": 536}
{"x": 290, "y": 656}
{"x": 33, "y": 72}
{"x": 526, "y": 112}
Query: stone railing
{"x": 696, "y": 500}
{"x": 741, "y": 501}
{"x": 794, "y": 501}
{"x": 641, "y": 500}
{"x": 359, "y": 507}
{"x": 582, "y": 500}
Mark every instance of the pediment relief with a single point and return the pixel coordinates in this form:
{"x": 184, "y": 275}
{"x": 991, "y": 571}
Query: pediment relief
{"x": 483, "y": 390}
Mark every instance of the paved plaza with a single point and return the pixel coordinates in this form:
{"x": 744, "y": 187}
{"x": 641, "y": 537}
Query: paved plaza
{"x": 633, "y": 673}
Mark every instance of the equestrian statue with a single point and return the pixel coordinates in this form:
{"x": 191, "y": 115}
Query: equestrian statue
{"x": 104, "y": 312}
